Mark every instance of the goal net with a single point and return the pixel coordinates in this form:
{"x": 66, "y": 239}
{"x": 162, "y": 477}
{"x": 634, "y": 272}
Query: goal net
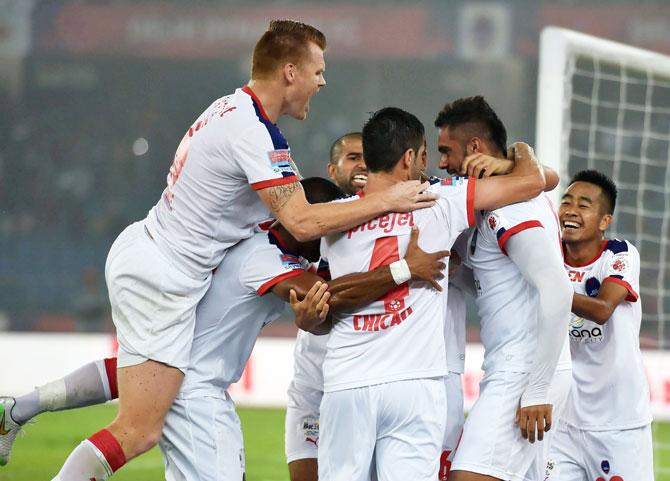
{"x": 606, "y": 106}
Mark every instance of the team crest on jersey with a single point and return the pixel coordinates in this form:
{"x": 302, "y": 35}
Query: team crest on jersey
{"x": 493, "y": 221}
{"x": 290, "y": 262}
{"x": 281, "y": 162}
{"x": 620, "y": 264}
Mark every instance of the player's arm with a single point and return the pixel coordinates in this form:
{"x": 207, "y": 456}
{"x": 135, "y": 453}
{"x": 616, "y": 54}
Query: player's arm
{"x": 599, "y": 309}
{"x": 355, "y": 290}
{"x": 307, "y": 221}
{"x": 524, "y": 182}
{"x": 481, "y": 166}
{"x": 540, "y": 264}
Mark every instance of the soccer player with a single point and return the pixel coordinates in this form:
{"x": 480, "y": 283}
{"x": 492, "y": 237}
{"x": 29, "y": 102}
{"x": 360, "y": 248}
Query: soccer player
{"x": 523, "y": 298}
{"x": 229, "y": 318}
{"x": 347, "y": 166}
{"x": 232, "y": 169}
{"x": 605, "y": 432}
{"x": 385, "y": 363}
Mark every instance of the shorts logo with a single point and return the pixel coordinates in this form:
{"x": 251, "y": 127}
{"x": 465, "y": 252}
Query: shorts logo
{"x": 281, "y": 162}
{"x": 290, "y": 262}
{"x": 310, "y": 429}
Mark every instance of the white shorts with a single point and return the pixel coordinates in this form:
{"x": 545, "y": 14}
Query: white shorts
{"x": 578, "y": 455}
{"x": 202, "y": 439}
{"x": 401, "y": 422}
{"x": 492, "y": 443}
{"x": 558, "y": 394}
{"x": 153, "y": 303}
{"x": 455, "y": 419}
{"x": 302, "y": 423}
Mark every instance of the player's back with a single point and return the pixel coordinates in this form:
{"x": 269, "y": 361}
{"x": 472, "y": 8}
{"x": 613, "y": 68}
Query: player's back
{"x": 508, "y": 305}
{"x": 209, "y": 203}
{"x": 232, "y": 313}
{"x": 401, "y": 335}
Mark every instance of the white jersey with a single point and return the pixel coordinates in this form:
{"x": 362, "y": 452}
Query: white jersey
{"x": 209, "y": 204}
{"x": 401, "y": 335}
{"x": 234, "y": 310}
{"x": 610, "y": 390}
{"x": 308, "y": 356}
{"x": 454, "y": 321}
{"x": 508, "y": 305}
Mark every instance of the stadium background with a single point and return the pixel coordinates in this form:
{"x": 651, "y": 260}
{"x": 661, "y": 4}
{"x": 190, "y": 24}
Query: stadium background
{"x": 95, "y": 96}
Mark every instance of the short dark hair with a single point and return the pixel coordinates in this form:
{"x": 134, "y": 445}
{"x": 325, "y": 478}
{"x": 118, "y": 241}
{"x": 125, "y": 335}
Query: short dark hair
{"x": 601, "y": 180}
{"x": 336, "y": 147}
{"x": 284, "y": 41}
{"x": 387, "y": 135}
{"x": 320, "y": 191}
{"x": 476, "y": 113}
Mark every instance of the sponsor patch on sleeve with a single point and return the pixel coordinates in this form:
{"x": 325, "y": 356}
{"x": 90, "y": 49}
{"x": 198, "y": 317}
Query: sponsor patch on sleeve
{"x": 453, "y": 180}
{"x": 290, "y": 262}
{"x": 620, "y": 264}
{"x": 281, "y": 163}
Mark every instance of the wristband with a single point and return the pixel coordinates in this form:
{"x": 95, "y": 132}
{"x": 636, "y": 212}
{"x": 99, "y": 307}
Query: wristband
{"x": 400, "y": 271}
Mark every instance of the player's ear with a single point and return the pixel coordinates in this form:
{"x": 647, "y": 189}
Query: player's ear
{"x": 332, "y": 171}
{"x": 605, "y": 222}
{"x": 289, "y": 72}
{"x": 408, "y": 158}
{"x": 474, "y": 146}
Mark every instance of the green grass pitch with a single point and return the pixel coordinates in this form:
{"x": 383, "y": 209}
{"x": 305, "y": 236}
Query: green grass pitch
{"x": 39, "y": 454}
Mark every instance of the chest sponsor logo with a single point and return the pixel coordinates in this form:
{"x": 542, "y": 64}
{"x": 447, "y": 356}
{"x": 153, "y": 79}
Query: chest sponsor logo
{"x": 576, "y": 276}
{"x": 385, "y": 223}
{"x": 281, "y": 162}
{"x": 580, "y": 331}
{"x": 380, "y": 322}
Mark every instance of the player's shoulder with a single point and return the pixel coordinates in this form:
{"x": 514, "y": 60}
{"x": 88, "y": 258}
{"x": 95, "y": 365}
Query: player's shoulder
{"x": 615, "y": 247}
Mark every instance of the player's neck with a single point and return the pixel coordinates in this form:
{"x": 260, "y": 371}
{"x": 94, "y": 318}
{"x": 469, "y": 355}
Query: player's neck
{"x": 380, "y": 181}
{"x": 269, "y": 95}
{"x": 582, "y": 253}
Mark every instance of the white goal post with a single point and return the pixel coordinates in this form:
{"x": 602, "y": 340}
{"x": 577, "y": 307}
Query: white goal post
{"x": 606, "y": 106}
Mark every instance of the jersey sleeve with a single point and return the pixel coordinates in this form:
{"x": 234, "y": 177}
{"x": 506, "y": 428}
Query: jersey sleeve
{"x": 266, "y": 266}
{"x": 503, "y": 223}
{"x": 456, "y": 203}
{"x": 264, "y": 157}
{"x": 623, "y": 267}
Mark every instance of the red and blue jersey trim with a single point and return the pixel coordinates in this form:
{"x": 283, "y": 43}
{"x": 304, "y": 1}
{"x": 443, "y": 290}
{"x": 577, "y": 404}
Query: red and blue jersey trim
{"x": 632, "y": 295}
{"x": 504, "y": 234}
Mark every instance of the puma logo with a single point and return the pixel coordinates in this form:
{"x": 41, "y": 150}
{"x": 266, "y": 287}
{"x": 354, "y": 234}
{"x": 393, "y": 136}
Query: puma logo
{"x": 310, "y": 440}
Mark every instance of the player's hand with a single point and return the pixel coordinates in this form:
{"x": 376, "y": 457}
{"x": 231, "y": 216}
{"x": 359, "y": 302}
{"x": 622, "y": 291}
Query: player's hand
{"x": 408, "y": 196}
{"x": 313, "y": 309}
{"x": 534, "y": 421}
{"x": 481, "y": 165}
{"x": 422, "y": 265}
{"x": 524, "y": 157}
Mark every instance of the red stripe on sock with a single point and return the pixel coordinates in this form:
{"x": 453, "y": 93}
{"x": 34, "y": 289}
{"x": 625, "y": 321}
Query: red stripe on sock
{"x": 110, "y": 448}
{"x": 110, "y": 368}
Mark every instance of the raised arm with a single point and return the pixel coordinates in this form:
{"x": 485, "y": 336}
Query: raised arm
{"x": 524, "y": 182}
{"x": 307, "y": 221}
{"x": 481, "y": 166}
{"x": 360, "y": 289}
{"x": 540, "y": 264}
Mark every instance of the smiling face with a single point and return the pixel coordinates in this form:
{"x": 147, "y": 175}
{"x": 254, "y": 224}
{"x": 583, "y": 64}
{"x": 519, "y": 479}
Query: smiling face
{"x": 305, "y": 79}
{"x": 349, "y": 171}
{"x": 583, "y": 213}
